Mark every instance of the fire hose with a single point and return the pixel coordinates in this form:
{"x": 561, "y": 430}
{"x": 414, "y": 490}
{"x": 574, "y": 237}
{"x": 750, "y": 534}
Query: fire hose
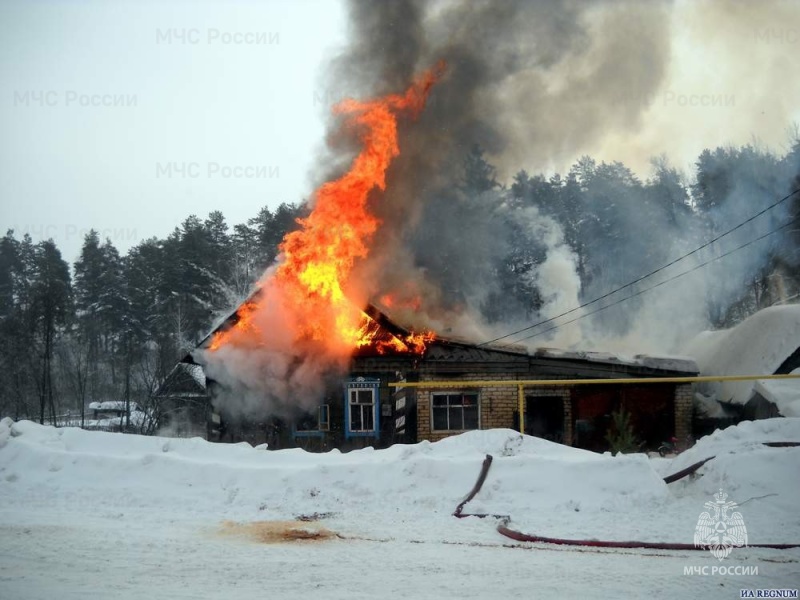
{"x": 505, "y": 530}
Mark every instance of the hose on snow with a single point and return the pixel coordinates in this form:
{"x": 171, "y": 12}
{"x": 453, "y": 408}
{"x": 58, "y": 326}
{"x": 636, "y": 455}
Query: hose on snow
{"x": 513, "y": 534}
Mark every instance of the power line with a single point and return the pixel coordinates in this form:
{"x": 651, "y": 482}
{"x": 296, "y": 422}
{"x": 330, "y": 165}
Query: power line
{"x": 643, "y": 277}
{"x": 640, "y": 292}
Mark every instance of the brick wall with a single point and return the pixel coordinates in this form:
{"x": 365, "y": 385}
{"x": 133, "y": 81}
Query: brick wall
{"x": 569, "y": 420}
{"x": 497, "y": 405}
{"x": 683, "y": 411}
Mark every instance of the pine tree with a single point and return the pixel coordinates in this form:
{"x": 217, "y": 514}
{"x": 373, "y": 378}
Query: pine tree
{"x": 101, "y": 307}
{"x": 17, "y": 352}
{"x": 479, "y": 175}
{"x": 51, "y": 295}
{"x": 620, "y": 435}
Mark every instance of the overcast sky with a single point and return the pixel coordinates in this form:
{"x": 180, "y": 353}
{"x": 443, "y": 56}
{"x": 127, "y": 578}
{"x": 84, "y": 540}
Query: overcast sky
{"x": 129, "y": 116}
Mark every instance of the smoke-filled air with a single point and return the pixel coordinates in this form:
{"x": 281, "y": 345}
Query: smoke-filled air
{"x": 428, "y": 208}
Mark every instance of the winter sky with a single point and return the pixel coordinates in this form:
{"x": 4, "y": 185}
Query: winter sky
{"x": 222, "y": 108}
{"x": 129, "y": 116}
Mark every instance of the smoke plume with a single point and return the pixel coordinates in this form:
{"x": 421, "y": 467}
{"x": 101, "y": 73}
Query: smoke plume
{"x": 536, "y": 86}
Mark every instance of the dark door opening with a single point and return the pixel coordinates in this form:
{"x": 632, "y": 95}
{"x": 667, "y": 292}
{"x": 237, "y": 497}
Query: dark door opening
{"x": 544, "y": 417}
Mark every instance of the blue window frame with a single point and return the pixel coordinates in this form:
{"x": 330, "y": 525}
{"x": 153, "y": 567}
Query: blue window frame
{"x": 361, "y": 408}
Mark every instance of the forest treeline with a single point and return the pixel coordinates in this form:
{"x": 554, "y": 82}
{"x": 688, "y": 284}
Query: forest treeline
{"x": 112, "y": 326}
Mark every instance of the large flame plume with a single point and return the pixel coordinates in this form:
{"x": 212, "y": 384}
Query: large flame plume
{"x": 313, "y": 275}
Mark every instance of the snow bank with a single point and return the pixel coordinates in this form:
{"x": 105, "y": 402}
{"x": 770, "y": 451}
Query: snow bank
{"x": 505, "y": 442}
{"x": 237, "y": 481}
{"x": 403, "y": 492}
{"x": 764, "y": 481}
{"x": 757, "y": 346}
{"x": 747, "y": 436}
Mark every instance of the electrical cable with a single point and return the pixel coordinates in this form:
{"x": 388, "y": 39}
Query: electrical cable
{"x": 643, "y": 277}
{"x": 640, "y": 292}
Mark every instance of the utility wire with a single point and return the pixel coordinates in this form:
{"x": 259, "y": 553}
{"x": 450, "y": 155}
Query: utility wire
{"x": 640, "y": 292}
{"x": 643, "y": 277}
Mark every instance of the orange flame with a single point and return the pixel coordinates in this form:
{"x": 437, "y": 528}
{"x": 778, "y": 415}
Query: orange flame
{"x": 244, "y": 326}
{"x": 371, "y": 335}
{"x": 319, "y": 257}
{"x": 392, "y": 301}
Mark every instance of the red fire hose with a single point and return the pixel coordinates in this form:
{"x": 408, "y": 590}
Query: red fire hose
{"x": 503, "y": 528}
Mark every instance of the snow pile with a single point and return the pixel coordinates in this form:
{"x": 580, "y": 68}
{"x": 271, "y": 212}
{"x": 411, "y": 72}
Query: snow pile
{"x": 757, "y": 346}
{"x": 240, "y": 482}
{"x": 764, "y": 481}
{"x": 92, "y": 514}
{"x": 747, "y": 437}
{"x": 406, "y": 491}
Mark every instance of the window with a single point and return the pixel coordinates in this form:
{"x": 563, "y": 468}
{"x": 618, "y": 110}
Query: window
{"x": 324, "y": 418}
{"x": 361, "y": 400}
{"x": 314, "y": 423}
{"x": 362, "y": 407}
{"x": 455, "y": 411}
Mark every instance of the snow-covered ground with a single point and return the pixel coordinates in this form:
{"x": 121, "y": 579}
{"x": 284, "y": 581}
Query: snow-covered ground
{"x": 104, "y": 515}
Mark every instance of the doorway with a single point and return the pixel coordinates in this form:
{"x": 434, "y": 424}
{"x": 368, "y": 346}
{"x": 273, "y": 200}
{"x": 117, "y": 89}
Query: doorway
{"x": 544, "y": 417}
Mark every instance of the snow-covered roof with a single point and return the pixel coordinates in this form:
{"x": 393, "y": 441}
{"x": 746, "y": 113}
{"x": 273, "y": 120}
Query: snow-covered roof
{"x": 118, "y": 405}
{"x": 185, "y": 380}
{"x": 669, "y": 363}
{"x": 759, "y": 345}
{"x": 137, "y": 417}
{"x": 196, "y": 372}
{"x": 785, "y": 394}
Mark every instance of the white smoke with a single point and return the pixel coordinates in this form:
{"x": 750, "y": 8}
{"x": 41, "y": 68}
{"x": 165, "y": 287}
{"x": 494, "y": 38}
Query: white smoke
{"x": 557, "y": 276}
{"x": 538, "y": 84}
{"x": 271, "y": 370}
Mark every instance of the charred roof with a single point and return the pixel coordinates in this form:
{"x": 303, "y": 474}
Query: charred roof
{"x": 447, "y": 354}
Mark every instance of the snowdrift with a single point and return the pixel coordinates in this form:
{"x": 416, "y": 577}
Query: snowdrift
{"x": 403, "y": 492}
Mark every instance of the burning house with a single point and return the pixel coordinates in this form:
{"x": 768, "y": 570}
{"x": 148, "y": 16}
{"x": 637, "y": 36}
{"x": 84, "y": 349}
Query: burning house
{"x": 468, "y": 387}
{"x": 301, "y": 364}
